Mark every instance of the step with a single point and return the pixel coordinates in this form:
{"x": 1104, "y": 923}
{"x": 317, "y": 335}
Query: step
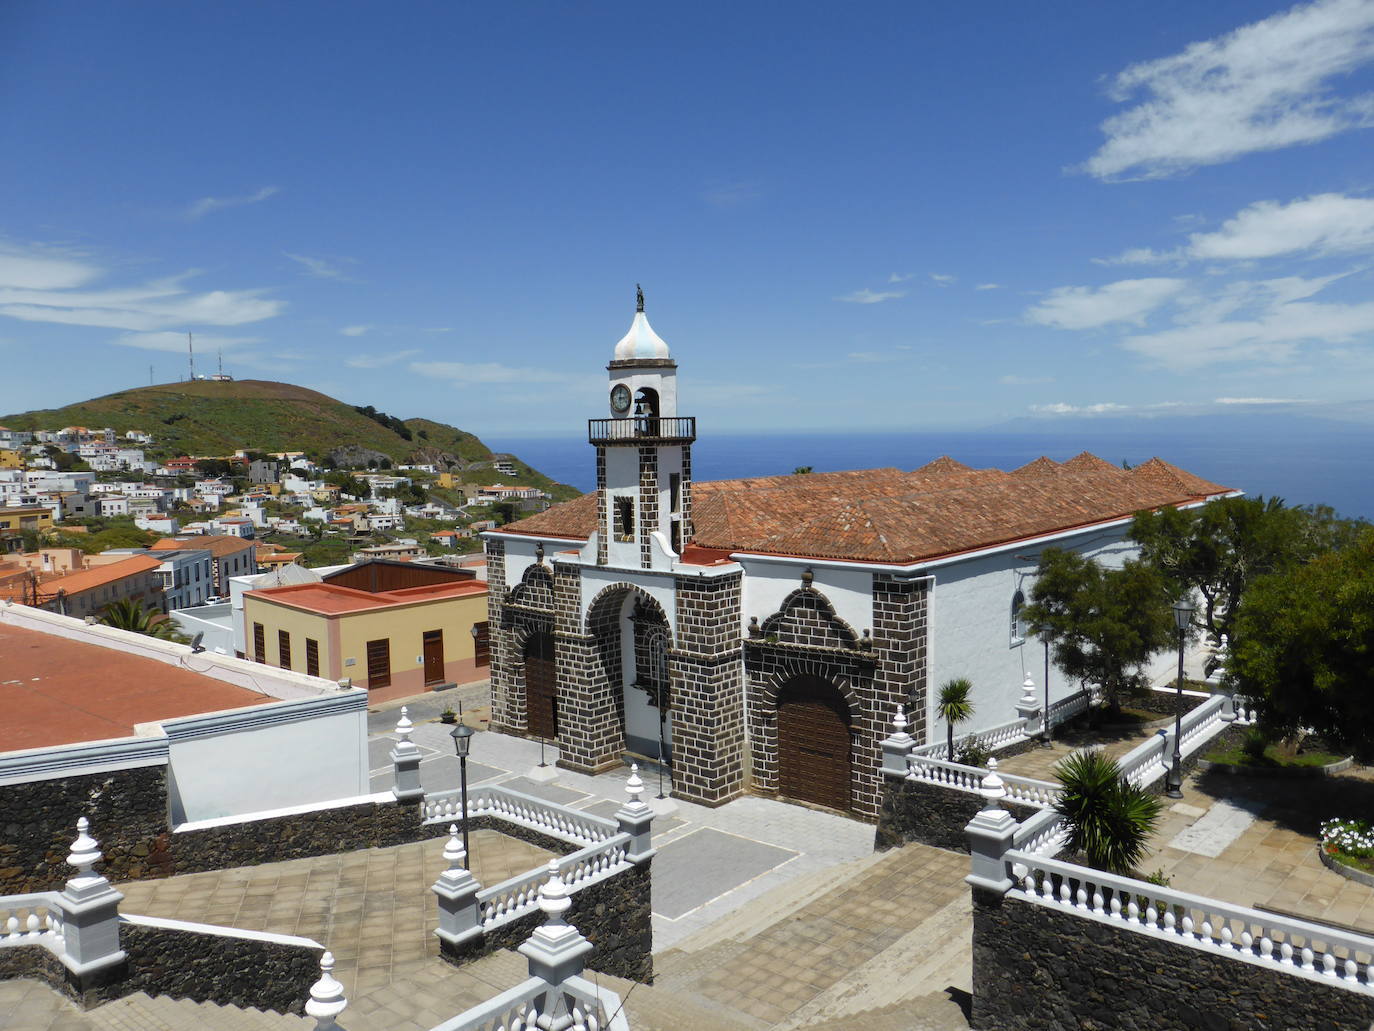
{"x": 934, "y": 1012}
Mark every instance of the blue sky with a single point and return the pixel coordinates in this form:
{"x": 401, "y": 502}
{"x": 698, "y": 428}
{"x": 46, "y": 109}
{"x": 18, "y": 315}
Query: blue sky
{"x": 843, "y": 215}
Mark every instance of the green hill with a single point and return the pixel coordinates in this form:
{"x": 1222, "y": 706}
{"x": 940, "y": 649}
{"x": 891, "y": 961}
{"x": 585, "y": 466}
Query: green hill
{"x": 209, "y": 418}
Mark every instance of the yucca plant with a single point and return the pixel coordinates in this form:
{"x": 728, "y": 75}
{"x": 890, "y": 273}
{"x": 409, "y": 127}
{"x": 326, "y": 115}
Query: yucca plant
{"x": 1109, "y": 819}
{"x": 954, "y": 706}
{"x": 131, "y": 614}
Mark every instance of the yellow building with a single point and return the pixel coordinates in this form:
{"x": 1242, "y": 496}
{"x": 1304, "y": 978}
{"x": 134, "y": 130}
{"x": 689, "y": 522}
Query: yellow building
{"x": 10, "y": 459}
{"x": 15, "y": 519}
{"x": 392, "y": 627}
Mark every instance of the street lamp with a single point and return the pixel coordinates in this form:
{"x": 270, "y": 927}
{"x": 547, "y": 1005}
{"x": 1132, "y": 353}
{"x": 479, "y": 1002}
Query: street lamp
{"x": 1183, "y": 615}
{"x": 462, "y": 743}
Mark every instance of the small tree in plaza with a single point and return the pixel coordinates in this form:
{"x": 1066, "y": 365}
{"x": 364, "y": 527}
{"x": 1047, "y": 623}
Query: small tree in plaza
{"x": 1105, "y": 623}
{"x": 954, "y": 706}
{"x": 1303, "y": 649}
{"x": 1109, "y": 819}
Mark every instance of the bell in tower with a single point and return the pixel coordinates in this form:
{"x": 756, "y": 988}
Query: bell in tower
{"x": 643, "y": 455}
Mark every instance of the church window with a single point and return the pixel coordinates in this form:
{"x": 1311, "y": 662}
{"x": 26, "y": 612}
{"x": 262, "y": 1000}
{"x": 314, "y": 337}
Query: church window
{"x": 1018, "y": 625}
{"x": 624, "y": 527}
{"x": 675, "y": 492}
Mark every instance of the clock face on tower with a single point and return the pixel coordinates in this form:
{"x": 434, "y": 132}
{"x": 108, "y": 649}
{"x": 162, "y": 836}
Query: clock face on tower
{"x": 620, "y": 398}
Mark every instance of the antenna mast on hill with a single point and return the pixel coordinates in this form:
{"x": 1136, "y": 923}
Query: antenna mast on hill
{"x": 221, "y": 362}
{"x": 150, "y": 375}
{"x": 191, "y": 350}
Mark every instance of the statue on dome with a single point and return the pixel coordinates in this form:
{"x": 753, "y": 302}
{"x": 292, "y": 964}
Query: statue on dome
{"x": 639, "y": 297}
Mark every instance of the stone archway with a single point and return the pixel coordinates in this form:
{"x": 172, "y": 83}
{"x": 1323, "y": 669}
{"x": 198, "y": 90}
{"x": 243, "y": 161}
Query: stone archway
{"x": 632, "y": 640}
{"x": 815, "y": 762}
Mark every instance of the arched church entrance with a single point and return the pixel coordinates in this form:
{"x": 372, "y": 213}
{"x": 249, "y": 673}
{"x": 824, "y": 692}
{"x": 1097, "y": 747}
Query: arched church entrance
{"x": 541, "y": 698}
{"x": 632, "y": 640}
{"x": 814, "y": 743}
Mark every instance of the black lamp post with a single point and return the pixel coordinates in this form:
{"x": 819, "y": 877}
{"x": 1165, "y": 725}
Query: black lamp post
{"x": 1048, "y": 734}
{"x": 462, "y": 742}
{"x": 1183, "y": 615}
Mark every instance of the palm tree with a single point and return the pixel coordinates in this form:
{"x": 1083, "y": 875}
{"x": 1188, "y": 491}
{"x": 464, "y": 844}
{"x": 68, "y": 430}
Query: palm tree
{"x": 954, "y": 706}
{"x": 130, "y": 614}
{"x": 1109, "y": 818}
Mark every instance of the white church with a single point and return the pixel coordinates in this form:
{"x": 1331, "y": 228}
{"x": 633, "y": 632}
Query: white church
{"x": 759, "y": 634}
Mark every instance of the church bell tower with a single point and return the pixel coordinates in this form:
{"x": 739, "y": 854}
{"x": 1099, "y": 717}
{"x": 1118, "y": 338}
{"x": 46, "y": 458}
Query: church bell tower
{"x": 643, "y": 456}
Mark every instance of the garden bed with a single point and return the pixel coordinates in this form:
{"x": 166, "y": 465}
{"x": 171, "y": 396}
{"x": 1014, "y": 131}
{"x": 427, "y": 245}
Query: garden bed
{"x": 1347, "y": 848}
{"x": 1149, "y": 710}
{"x": 1228, "y": 755}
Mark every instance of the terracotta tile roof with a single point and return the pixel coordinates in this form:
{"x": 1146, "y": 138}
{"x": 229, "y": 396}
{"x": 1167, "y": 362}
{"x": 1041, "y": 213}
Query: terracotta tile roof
{"x": 60, "y": 691}
{"x": 335, "y": 599}
{"x": 884, "y": 515}
{"x": 218, "y": 545}
{"x": 100, "y": 576}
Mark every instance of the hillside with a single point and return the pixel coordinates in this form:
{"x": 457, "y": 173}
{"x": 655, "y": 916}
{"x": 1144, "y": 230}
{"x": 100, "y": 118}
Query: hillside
{"x": 205, "y": 417}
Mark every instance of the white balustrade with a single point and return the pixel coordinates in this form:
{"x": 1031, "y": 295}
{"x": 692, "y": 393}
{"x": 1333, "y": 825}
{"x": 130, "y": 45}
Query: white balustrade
{"x": 1026, "y": 790}
{"x": 991, "y": 739}
{"x": 34, "y": 919}
{"x": 1296, "y": 946}
{"x": 1042, "y": 834}
{"x": 576, "y": 1005}
{"x": 519, "y": 895}
{"x": 1068, "y": 708}
{"x": 570, "y": 825}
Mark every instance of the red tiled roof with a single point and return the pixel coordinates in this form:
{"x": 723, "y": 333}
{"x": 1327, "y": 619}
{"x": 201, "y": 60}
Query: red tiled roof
{"x": 885, "y": 515}
{"x": 59, "y": 691}
{"x": 334, "y": 599}
{"x": 99, "y": 576}
{"x": 218, "y": 545}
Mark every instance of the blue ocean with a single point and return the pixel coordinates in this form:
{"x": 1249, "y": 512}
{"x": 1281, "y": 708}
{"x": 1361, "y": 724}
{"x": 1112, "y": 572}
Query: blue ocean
{"x": 1304, "y": 462}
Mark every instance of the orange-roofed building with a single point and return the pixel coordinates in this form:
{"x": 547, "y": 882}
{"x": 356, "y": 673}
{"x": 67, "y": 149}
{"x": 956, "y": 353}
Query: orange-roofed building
{"x": 88, "y": 592}
{"x": 232, "y": 556}
{"x": 759, "y": 634}
{"x": 396, "y": 628}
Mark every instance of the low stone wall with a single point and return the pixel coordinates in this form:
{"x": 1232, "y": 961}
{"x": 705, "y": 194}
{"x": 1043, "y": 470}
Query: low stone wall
{"x": 1036, "y": 967}
{"x": 913, "y": 810}
{"x": 614, "y": 915}
{"x": 127, "y": 809}
{"x": 216, "y": 968}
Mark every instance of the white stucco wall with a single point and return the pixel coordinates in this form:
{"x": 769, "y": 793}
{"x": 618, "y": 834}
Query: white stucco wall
{"x": 970, "y": 628}
{"x": 767, "y": 584}
{"x": 267, "y": 757}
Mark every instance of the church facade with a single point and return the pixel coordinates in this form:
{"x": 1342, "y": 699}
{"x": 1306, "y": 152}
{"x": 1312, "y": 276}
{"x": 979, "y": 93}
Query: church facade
{"x": 759, "y": 634}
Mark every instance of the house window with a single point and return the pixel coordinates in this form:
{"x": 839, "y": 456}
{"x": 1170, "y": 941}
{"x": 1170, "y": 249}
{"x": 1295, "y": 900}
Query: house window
{"x": 1018, "y": 625}
{"x": 312, "y": 657}
{"x": 379, "y": 663}
{"x": 624, "y": 528}
{"x": 481, "y": 644}
{"x": 259, "y": 643}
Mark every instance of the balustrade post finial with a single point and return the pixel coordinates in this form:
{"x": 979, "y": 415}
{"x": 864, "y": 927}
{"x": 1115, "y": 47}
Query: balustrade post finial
{"x": 405, "y": 759}
{"x": 460, "y": 915}
{"x": 85, "y": 851}
{"x": 898, "y": 746}
{"x": 454, "y": 854}
{"x": 1028, "y": 708}
{"x": 327, "y": 999}
{"x": 990, "y": 834}
{"x": 992, "y": 788}
{"x": 90, "y": 919}
{"x": 635, "y": 818}
{"x": 556, "y": 951}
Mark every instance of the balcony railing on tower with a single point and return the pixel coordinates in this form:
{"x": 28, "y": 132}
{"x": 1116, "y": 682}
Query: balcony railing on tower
{"x": 643, "y": 429}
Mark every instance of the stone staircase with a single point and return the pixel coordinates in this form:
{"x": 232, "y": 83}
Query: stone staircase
{"x": 163, "y": 1013}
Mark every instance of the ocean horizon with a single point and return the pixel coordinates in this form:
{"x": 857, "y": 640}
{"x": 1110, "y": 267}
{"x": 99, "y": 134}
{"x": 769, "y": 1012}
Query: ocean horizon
{"x": 1303, "y": 466}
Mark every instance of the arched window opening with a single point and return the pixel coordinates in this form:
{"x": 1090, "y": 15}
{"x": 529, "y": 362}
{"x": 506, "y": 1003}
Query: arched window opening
{"x": 1018, "y": 625}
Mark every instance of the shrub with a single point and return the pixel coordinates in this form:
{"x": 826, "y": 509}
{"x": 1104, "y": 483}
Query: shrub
{"x": 1254, "y": 743}
{"x": 971, "y": 753}
{"x": 1348, "y": 837}
{"x": 1109, "y": 819}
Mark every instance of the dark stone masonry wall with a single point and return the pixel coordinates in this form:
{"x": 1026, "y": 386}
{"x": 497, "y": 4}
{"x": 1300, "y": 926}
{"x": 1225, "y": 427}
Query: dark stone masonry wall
{"x": 913, "y": 810}
{"x": 216, "y": 968}
{"x": 614, "y": 915}
{"x": 128, "y": 813}
{"x": 1038, "y": 968}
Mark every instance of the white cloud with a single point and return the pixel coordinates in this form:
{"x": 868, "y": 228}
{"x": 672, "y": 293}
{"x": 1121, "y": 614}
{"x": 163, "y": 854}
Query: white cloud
{"x": 491, "y": 372}
{"x": 988, "y": 286}
{"x": 1265, "y": 86}
{"x": 159, "y": 304}
{"x": 1063, "y": 408}
{"x": 320, "y": 267}
{"x": 40, "y": 270}
{"x": 176, "y": 343}
{"x": 1024, "y": 381}
{"x": 1320, "y": 225}
{"x": 354, "y": 331}
{"x": 867, "y": 296}
{"x": 1082, "y": 307}
{"x": 898, "y": 278}
{"x": 376, "y": 361}
{"x": 941, "y": 280}
{"x": 206, "y": 205}
{"x": 1257, "y": 401}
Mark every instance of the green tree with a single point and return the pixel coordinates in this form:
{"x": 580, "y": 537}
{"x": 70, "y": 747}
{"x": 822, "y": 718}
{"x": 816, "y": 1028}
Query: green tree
{"x": 1303, "y": 648}
{"x": 954, "y": 706}
{"x": 1109, "y": 819}
{"x": 1218, "y": 549}
{"x": 1105, "y": 623}
{"x": 131, "y": 614}
{"x": 802, "y": 470}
